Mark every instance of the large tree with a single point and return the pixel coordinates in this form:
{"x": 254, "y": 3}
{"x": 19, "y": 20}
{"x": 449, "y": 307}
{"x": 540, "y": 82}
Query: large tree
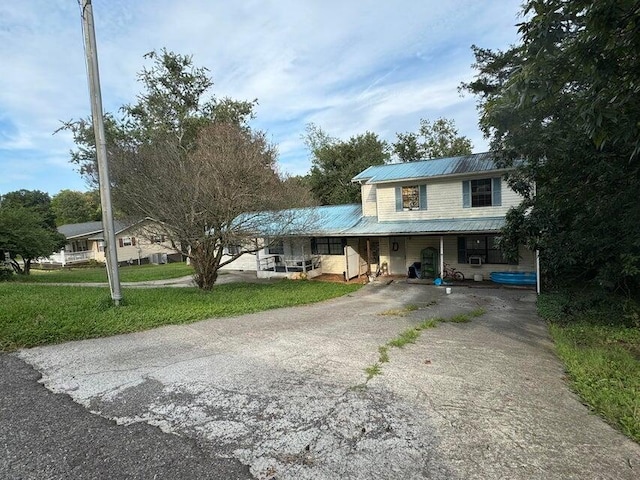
{"x": 564, "y": 107}
{"x": 27, "y": 228}
{"x": 334, "y": 163}
{"x": 192, "y": 163}
{"x": 432, "y": 140}
{"x": 71, "y": 206}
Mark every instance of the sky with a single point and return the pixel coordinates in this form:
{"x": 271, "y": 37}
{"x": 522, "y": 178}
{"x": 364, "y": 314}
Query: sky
{"x": 346, "y": 66}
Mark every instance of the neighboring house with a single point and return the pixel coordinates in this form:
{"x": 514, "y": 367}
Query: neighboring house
{"x": 135, "y": 244}
{"x": 433, "y": 212}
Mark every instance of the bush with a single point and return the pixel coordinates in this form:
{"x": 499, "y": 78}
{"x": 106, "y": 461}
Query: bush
{"x": 6, "y": 274}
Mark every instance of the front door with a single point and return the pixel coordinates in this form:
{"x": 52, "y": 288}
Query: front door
{"x": 397, "y": 257}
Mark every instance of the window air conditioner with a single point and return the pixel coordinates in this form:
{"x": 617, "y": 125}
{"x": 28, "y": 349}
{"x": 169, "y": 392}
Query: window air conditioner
{"x": 475, "y": 260}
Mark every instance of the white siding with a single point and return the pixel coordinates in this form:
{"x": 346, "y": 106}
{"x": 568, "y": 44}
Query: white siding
{"x": 246, "y": 261}
{"x": 444, "y": 200}
{"x": 369, "y": 205}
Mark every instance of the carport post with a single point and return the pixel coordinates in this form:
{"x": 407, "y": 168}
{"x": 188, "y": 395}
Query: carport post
{"x": 538, "y": 272}
{"x": 441, "y": 256}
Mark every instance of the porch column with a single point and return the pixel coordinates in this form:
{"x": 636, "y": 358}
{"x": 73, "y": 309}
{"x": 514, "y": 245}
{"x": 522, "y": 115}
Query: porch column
{"x": 441, "y": 255}
{"x": 368, "y": 257}
{"x": 257, "y": 257}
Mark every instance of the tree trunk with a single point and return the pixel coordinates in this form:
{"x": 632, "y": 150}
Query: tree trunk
{"x": 206, "y": 262}
{"x": 27, "y": 266}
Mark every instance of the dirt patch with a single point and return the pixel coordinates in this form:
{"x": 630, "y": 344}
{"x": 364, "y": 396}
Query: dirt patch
{"x": 337, "y": 278}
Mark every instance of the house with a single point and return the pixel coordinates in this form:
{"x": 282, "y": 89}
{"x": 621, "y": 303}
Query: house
{"x": 136, "y": 243}
{"x": 438, "y": 212}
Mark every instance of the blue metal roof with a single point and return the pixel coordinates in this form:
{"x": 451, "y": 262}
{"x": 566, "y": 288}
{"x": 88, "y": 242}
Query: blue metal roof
{"x": 477, "y": 162}
{"x": 347, "y": 221}
{"x": 370, "y": 226}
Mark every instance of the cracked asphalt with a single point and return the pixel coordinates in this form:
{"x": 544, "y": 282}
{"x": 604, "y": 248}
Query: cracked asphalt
{"x": 282, "y": 394}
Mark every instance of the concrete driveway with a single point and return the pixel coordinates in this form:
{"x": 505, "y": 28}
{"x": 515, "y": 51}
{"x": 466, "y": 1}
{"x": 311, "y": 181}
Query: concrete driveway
{"x": 282, "y": 391}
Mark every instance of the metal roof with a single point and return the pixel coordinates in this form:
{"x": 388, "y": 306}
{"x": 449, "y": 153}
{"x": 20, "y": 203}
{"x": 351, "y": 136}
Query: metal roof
{"x": 73, "y": 230}
{"x": 93, "y": 229}
{"x": 474, "y": 163}
{"x": 310, "y": 221}
{"x": 371, "y": 226}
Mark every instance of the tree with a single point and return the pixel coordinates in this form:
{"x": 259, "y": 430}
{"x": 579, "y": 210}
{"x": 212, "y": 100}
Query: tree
{"x": 563, "y": 106}
{"x": 334, "y": 163}
{"x": 225, "y": 192}
{"x": 193, "y": 164}
{"x": 70, "y": 206}
{"x": 27, "y": 228}
{"x": 433, "y": 140}
{"x": 174, "y": 102}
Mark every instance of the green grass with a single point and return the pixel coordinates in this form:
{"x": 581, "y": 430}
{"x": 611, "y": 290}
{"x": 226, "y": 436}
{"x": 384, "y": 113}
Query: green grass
{"x": 601, "y": 352}
{"x": 33, "y": 315}
{"x": 133, "y": 273}
{"x": 400, "y": 312}
{"x": 411, "y": 335}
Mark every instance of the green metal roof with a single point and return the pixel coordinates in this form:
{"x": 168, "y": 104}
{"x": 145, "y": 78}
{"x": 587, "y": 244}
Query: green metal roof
{"x": 475, "y": 163}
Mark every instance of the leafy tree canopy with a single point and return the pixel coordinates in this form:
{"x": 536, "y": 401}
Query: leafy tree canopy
{"x": 70, "y": 206}
{"x": 27, "y": 228}
{"x": 192, "y": 163}
{"x": 565, "y": 101}
{"x": 174, "y": 101}
{"x": 334, "y": 163}
{"x": 433, "y": 140}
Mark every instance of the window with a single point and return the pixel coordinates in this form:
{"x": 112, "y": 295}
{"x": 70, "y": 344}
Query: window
{"x": 413, "y": 197}
{"x": 328, "y": 246}
{"x": 157, "y": 239}
{"x": 410, "y": 198}
{"x": 482, "y": 246}
{"x": 484, "y": 192}
{"x": 127, "y": 241}
{"x": 276, "y": 248}
{"x": 233, "y": 249}
{"x": 481, "y": 193}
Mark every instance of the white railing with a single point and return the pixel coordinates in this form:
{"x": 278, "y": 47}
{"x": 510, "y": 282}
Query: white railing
{"x": 63, "y": 257}
{"x": 294, "y": 263}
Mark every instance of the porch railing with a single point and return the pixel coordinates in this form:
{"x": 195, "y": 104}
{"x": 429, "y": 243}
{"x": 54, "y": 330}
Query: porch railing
{"x": 63, "y": 257}
{"x": 290, "y": 263}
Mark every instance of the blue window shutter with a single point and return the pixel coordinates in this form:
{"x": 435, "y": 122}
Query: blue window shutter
{"x": 398, "y": 199}
{"x": 423, "y": 197}
{"x": 496, "y": 192}
{"x": 466, "y": 194}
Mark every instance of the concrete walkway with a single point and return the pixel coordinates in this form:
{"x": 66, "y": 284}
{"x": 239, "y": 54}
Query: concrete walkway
{"x": 282, "y": 391}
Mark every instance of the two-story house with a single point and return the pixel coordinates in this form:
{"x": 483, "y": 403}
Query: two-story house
{"x": 434, "y": 212}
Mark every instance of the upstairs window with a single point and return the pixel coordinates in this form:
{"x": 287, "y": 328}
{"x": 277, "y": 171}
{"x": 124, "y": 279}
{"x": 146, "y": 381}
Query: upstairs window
{"x": 484, "y": 192}
{"x": 410, "y": 198}
{"x": 413, "y": 197}
{"x": 481, "y": 193}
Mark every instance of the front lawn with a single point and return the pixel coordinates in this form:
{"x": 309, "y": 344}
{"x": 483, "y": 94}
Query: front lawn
{"x": 33, "y": 315}
{"x": 599, "y": 344}
{"x": 133, "y": 273}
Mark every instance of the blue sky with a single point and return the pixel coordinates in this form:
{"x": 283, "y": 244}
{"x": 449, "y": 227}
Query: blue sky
{"x": 347, "y": 66}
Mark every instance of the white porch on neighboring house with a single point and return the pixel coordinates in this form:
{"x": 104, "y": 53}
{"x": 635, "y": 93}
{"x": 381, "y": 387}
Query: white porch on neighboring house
{"x": 63, "y": 257}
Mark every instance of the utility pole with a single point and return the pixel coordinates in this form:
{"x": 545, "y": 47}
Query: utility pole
{"x": 101, "y": 150}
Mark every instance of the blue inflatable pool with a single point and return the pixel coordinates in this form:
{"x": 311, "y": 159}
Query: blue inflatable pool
{"x": 514, "y": 278}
